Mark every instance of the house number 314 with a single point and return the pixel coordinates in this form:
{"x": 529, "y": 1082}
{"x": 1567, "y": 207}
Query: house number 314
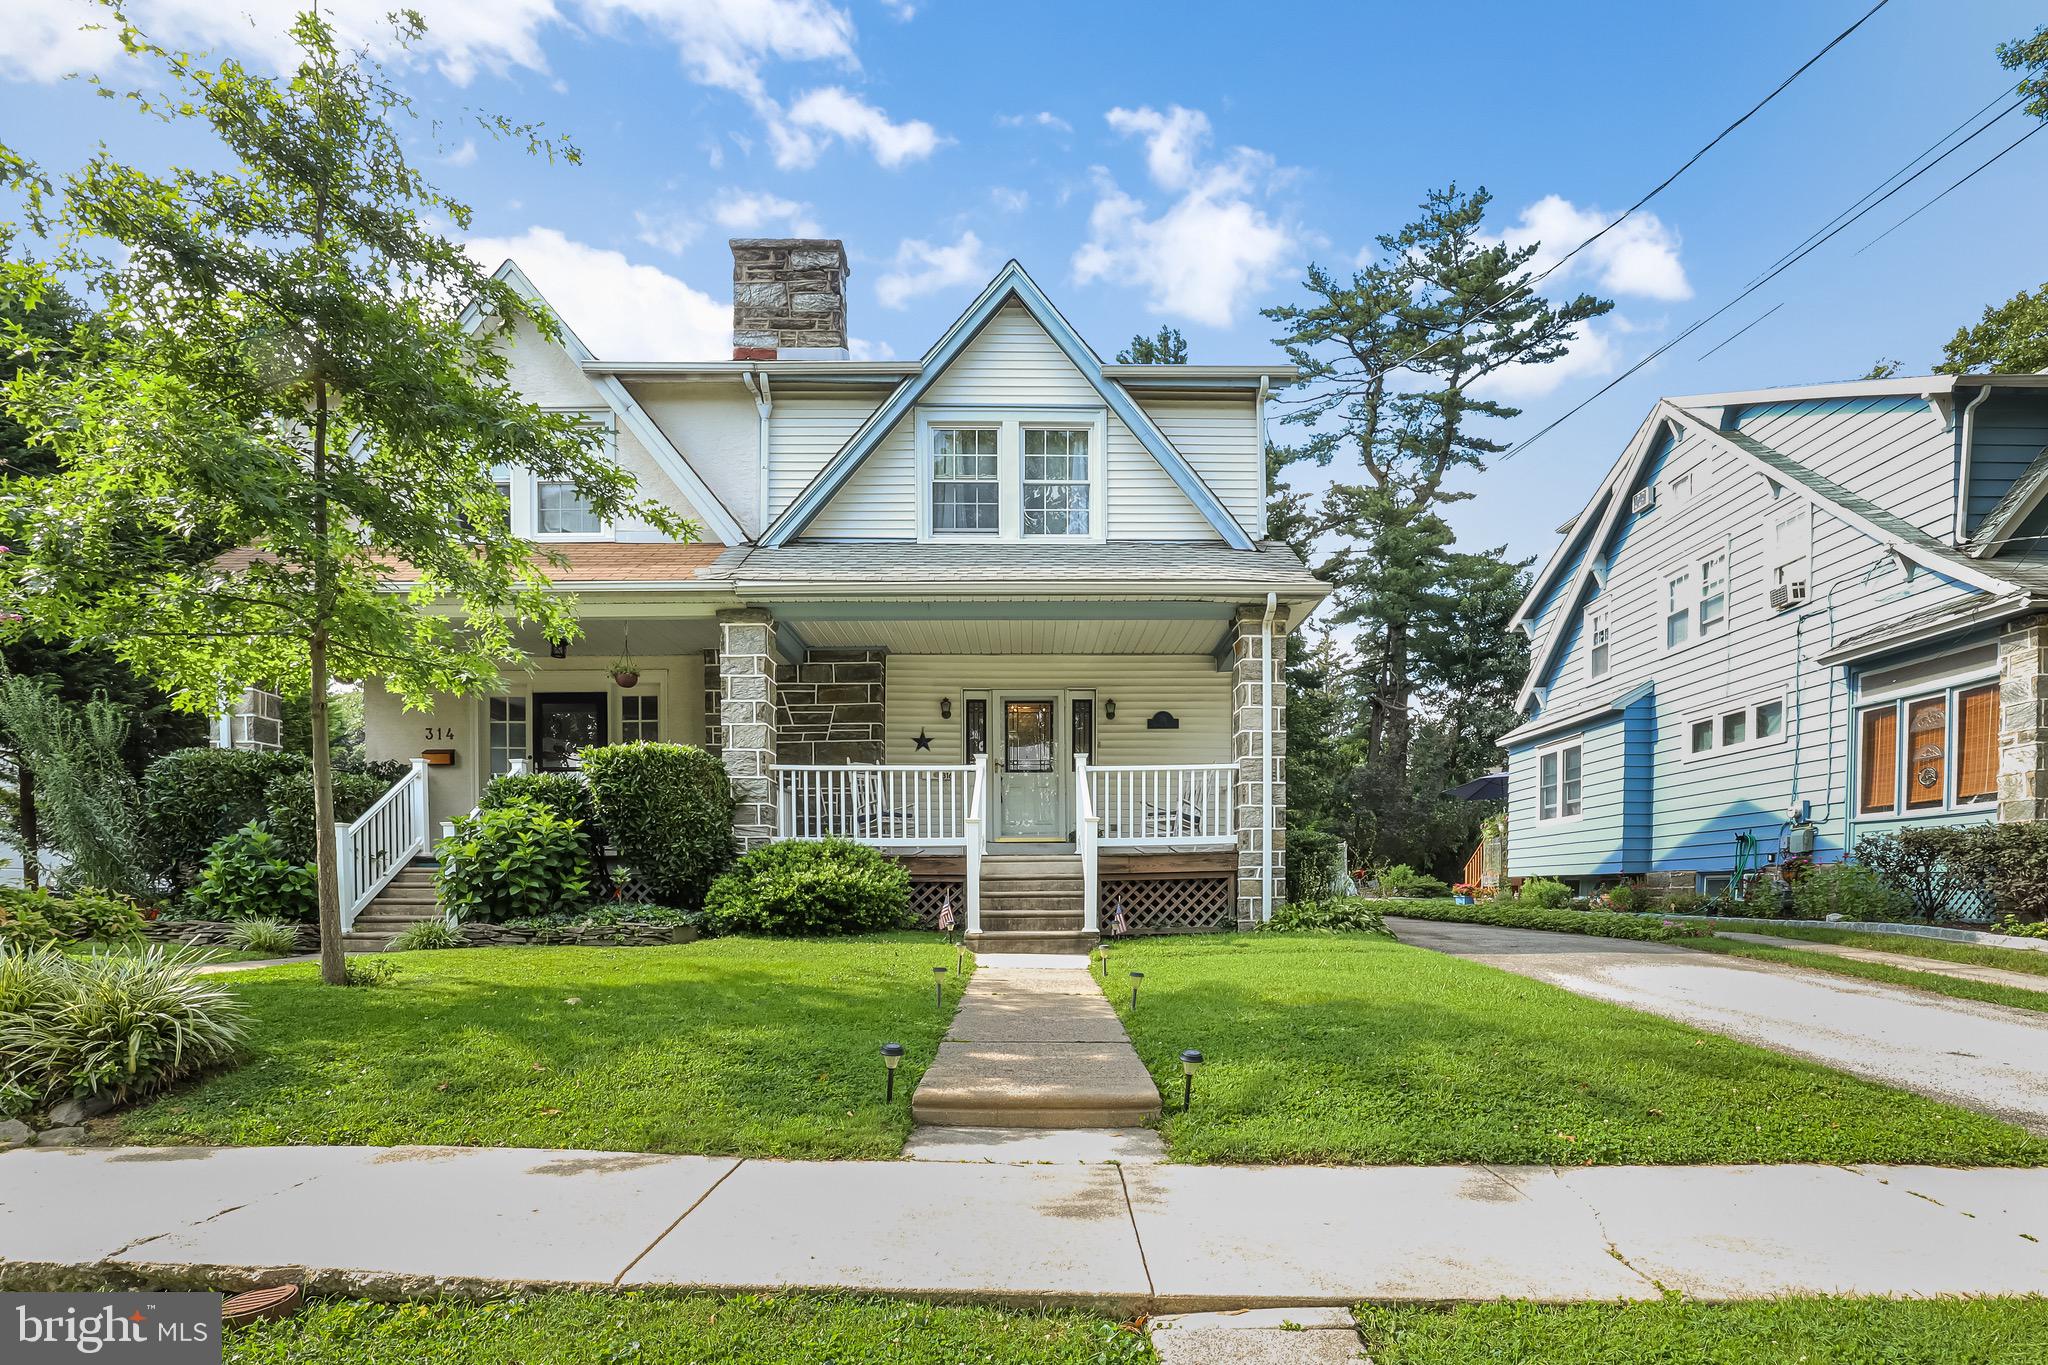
{"x": 440, "y": 732}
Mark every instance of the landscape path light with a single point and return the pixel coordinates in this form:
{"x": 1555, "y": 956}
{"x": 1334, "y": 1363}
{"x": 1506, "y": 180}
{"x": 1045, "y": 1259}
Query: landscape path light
{"x": 892, "y": 1057}
{"x": 1189, "y": 1061}
{"x": 939, "y": 987}
{"x": 1136, "y": 977}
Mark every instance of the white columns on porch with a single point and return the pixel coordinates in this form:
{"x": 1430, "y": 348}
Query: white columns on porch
{"x": 1261, "y": 787}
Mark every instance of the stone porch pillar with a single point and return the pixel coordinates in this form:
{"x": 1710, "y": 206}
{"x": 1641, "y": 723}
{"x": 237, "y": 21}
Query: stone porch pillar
{"x": 2023, "y": 720}
{"x": 1257, "y": 846}
{"x": 746, "y": 719}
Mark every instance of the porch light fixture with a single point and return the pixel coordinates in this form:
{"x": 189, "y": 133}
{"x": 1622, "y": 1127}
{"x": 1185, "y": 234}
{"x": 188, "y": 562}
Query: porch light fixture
{"x": 558, "y": 649}
{"x": 1109, "y": 709}
{"x": 945, "y": 708}
{"x": 1136, "y": 977}
{"x": 1189, "y": 1061}
{"x": 892, "y": 1057}
{"x": 939, "y": 986}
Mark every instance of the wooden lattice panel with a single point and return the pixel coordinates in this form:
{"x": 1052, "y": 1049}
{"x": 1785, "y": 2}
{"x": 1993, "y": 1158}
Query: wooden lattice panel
{"x": 1198, "y": 904}
{"x": 928, "y": 895}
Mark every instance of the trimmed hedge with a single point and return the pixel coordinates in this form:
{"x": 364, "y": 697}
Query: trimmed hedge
{"x": 32, "y": 917}
{"x": 290, "y": 802}
{"x": 668, "y": 809}
{"x": 194, "y": 798}
{"x": 804, "y": 887}
{"x": 1599, "y": 923}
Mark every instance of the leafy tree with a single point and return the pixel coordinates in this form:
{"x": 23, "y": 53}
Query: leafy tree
{"x": 2011, "y": 338}
{"x": 1168, "y": 347}
{"x": 1883, "y": 369}
{"x": 291, "y": 359}
{"x": 2030, "y": 55}
{"x": 88, "y": 804}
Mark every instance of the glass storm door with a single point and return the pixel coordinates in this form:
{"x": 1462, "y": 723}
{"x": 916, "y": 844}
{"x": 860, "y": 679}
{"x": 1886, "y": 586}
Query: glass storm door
{"x": 1029, "y": 783}
{"x": 564, "y": 724}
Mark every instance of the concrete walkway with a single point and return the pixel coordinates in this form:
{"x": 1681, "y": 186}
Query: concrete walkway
{"x": 1035, "y": 1046}
{"x": 416, "y": 1222}
{"x": 1984, "y": 1057}
{"x": 1933, "y": 966}
{"x": 221, "y": 968}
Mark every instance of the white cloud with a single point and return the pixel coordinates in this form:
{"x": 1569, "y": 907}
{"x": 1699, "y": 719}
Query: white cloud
{"x": 620, "y": 309}
{"x": 1009, "y": 200}
{"x": 670, "y": 232}
{"x": 922, "y": 268}
{"x": 859, "y": 348}
{"x": 1044, "y": 118}
{"x": 749, "y": 211}
{"x": 1591, "y": 355}
{"x": 1640, "y": 257}
{"x": 465, "y": 155}
{"x": 902, "y": 11}
{"x": 1207, "y": 252}
{"x": 834, "y": 112}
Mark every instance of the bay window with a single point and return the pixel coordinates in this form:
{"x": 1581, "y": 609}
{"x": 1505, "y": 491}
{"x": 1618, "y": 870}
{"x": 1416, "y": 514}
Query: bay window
{"x": 1927, "y": 753}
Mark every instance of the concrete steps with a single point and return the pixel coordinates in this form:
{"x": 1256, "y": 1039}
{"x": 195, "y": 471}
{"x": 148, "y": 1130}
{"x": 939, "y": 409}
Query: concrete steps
{"x": 1031, "y": 903}
{"x": 405, "y": 900}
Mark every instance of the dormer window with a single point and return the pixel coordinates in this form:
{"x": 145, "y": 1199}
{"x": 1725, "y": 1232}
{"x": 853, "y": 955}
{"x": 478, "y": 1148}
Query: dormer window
{"x": 558, "y": 510}
{"x": 967, "y": 490}
{"x": 1056, "y": 481}
{"x": 1012, "y": 474}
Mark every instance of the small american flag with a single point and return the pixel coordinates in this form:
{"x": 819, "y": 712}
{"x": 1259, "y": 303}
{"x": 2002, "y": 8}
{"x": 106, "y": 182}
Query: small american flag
{"x": 1116, "y": 920}
{"x": 946, "y": 914}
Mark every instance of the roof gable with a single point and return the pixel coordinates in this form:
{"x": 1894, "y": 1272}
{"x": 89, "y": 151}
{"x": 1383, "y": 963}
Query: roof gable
{"x": 1010, "y": 283}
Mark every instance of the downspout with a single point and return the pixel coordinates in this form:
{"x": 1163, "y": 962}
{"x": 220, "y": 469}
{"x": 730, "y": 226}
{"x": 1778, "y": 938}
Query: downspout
{"x": 1266, "y": 757}
{"x": 1962, "y": 517}
{"x": 764, "y": 405}
{"x": 1265, "y": 466}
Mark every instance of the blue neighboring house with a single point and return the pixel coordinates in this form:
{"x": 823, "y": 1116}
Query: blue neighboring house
{"x": 1792, "y": 616}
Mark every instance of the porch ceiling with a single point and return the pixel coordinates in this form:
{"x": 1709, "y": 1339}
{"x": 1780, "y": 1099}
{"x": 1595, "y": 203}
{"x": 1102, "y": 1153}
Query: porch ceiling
{"x": 604, "y": 640}
{"x": 1011, "y": 627}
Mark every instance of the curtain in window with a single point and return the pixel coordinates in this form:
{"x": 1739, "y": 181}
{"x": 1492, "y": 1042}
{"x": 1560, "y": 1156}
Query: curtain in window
{"x": 1977, "y": 744}
{"x": 1927, "y": 752}
{"x": 1879, "y": 763}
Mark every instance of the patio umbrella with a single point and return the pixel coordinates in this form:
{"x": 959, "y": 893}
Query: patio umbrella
{"x": 1492, "y": 787}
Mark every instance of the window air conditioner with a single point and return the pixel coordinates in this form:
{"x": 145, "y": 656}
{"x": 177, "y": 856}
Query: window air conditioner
{"x": 1790, "y": 593}
{"x": 1644, "y": 499}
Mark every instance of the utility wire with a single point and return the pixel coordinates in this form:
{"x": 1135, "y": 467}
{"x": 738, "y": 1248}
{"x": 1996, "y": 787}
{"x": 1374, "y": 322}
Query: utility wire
{"x": 1529, "y": 288}
{"x": 1945, "y": 193}
{"x": 1731, "y": 336}
{"x": 1780, "y": 269}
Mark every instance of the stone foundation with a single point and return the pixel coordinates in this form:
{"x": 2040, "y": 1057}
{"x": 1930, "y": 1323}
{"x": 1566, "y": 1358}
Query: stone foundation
{"x": 830, "y": 708}
{"x": 579, "y": 935}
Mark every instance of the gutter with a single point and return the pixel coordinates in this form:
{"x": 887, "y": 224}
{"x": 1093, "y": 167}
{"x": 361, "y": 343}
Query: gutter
{"x": 1962, "y": 516}
{"x": 1266, "y": 840}
{"x": 1983, "y": 614}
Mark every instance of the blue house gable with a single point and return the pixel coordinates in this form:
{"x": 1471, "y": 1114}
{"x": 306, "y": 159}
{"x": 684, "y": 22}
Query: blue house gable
{"x": 1765, "y": 620}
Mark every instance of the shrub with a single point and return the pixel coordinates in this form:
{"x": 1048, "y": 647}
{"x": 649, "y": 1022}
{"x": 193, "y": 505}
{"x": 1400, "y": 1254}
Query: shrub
{"x": 289, "y": 801}
{"x": 827, "y": 886}
{"x": 668, "y": 809}
{"x": 1313, "y": 865}
{"x": 1508, "y": 915}
{"x": 517, "y": 859}
{"x": 88, "y": 804}
{"x": 249, "y": 876}
{"x": 1682, "y": 903}
{"x": 1628, "y": 899}
{"x": 425, "y": 936}
{"x": 1403, "y": 880}
{"x": 1928, "y": 865}
{"x": 563, "y": 793}
{"x": 358, "y": 970}
{"x": 33, "y": 916}
{"x": 1338, "y": 915}
{"x": 112, "y": 1024}
{"x": 271, "y": 937}
{"x": 385, "y": 770}
{"x": 2020, "y": 928}
{"x": 1850, "y": 890}
{"x": 614, "y": 912}
{"x": 194, "y": 798}
{"x": 1544, "y": 893}
{"x": 2011, "y": 862}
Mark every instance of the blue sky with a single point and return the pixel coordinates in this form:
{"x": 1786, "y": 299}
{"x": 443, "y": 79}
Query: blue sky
{"x": 1181, "y": 164}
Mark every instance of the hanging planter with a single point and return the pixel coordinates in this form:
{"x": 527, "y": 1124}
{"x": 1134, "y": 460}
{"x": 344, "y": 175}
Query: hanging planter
{"x": 625, "y": 672}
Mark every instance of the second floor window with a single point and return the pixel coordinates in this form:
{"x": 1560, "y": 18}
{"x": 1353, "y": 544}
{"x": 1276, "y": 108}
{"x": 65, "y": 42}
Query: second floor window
{"x": 1055, "y": 482}
{"x": 558, "y": 510}
{"x": 967, "y": 494}
{"x": 1596, "y": 642}
{"x": 1696, "y": 600}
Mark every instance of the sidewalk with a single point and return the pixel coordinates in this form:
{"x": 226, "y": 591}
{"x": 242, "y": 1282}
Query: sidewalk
{"x": 400, "y": 1222}
{"x": 1962, "y": 971}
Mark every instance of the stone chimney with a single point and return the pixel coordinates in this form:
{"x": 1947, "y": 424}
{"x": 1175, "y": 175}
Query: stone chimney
{"x": 788, "y": 298}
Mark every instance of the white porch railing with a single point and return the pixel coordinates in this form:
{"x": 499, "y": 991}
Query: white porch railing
{"x": 920, "y": 805}
{"x": 1087, "y": 832}
{"x": 1186, "y": 805}
{"x": 384, "y": 839}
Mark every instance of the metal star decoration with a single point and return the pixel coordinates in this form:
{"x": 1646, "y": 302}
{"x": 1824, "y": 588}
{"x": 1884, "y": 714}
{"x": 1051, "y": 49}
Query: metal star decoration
{"x": 922, "y": 740}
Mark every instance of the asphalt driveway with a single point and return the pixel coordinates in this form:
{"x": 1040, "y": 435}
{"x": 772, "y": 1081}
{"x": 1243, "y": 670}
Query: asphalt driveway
{"x": 1983, "y": 1057}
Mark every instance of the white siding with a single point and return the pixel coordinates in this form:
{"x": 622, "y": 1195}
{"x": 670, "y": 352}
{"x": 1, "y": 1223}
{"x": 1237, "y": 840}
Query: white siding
{"x": 1012, "y": 363}
{"x": 1219, "y": 437}
{"x": 1144, "y": 501}
{"x": 879, "y": 502}
{"x": 1189, "y": 686}
{"x": 804, "y": 433}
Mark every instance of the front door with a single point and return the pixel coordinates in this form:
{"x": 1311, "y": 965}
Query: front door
{"x": 565, "y": 724}
{"x": 1028, "y": 804}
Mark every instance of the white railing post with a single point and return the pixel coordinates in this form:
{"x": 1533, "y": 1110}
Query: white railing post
{"x": 420, "y": 826}
{"x": 1084, "y": 838}
{"x": 344, "y": 873}
{"x": 973, "y": 831}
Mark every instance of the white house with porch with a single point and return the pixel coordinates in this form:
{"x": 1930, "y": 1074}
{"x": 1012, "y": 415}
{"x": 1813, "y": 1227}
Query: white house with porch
{"x": 1002, "y": 611}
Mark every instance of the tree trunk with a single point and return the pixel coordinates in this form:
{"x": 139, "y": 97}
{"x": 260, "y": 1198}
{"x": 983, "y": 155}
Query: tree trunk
{"x": 326, "y": 849}
{"x": 1397, "y": 694}
{"x": 31, "y": 828}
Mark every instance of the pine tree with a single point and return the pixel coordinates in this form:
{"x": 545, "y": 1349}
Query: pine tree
{"x": 1168, "y": 347}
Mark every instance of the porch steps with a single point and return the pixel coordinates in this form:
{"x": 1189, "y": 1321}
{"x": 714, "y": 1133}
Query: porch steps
{"x": 407, "y": 899}
{"x": 1031, "y": 903}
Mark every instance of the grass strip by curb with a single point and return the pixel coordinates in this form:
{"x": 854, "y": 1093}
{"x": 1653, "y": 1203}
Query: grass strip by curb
{"x": 1905, "y": 945}
{"x": 1932, "y": 982}
{"x": 1600, "y": 923}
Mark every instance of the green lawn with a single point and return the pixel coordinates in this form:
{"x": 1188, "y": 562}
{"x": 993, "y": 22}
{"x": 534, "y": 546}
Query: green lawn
{"x": 594, "y": 1329}
{"x": 138, "y": 946}
{"x": 1673, "y": 1332}
{"x": 1912, "y": 945}
{"x": 1357, "y": 1049}
{"x": 1956, "y": 988}
{"x": 754, "y": 1047}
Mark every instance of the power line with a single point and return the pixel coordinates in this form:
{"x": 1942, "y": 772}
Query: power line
{"x": 1945, "y": 193}
{"x": 1739, "y": 331}
{"x": 1778, "y": 270}
{"x": 1529, "y": 288}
